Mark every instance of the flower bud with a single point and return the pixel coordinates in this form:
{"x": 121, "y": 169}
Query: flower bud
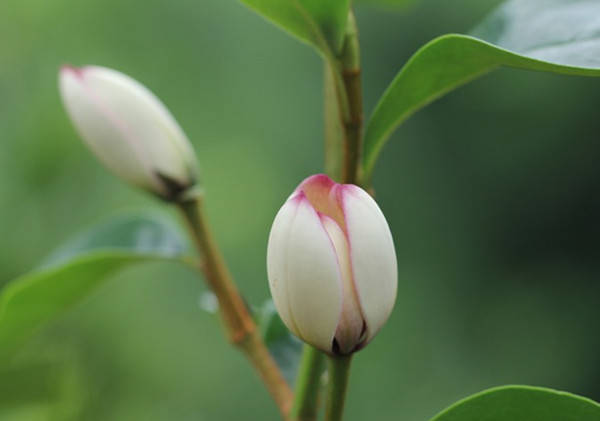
{"x": 331, "y": 265}
{"x": 129, "y": 129}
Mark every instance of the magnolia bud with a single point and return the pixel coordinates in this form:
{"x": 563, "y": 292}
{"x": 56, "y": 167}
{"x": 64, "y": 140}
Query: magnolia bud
{"x": 331, "y": 265}
{"x": 129, "y": 129}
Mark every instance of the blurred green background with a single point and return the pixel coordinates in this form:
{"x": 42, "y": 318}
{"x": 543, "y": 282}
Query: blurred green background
{"x": 491, "y": 194}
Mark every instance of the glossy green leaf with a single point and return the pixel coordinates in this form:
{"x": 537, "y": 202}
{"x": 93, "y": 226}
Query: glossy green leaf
{"x": 560, "y": 36}
{"x": 76, "y": 269}
{"x": 285, "y": 348}
{"x": 522, "y": 403}
{"x": 320, "y": 23}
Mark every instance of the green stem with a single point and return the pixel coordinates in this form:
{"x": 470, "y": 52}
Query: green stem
{"x": 353, "y": 120}
{"x": 239, "y": 324}
{"x": 306, "y": 402}
{"x": 333, "y": 124}
{"x": 339, "y": 372}
{"x": 344, "y": 110}
{"x": 343, "y": 147}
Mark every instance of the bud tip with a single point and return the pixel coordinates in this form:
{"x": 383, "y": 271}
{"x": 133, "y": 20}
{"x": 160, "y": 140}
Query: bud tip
{"x": 76, "y": 71}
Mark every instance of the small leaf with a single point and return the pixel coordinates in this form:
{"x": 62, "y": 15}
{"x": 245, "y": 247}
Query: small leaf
{"x": 320, "y": 23}
{"x": 285, "y": 348}
{"x": 560, "y": 36}
{"x": 76, "y": 269}
{"x": 521, "y": 403}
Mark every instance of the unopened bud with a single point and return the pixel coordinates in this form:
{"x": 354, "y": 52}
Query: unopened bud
{"x": 129, "y": 129}
{"x": 332, "y": 265}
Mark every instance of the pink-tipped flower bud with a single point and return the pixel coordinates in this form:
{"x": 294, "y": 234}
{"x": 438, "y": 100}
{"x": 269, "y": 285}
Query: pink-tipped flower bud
{"x": 129, "y": 129}
{"x": 332, "y": 265}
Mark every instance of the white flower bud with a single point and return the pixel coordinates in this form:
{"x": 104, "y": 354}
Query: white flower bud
{"x": 129, "y": 129}
{"x": 332, "y": 265}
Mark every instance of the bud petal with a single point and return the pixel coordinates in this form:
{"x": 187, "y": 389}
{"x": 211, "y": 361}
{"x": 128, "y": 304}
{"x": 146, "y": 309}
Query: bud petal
{"x": 129, "y": 129}
{"x": 332, "y": 265}
{"x": 373, "y": 257}
{"x": 304, "y": 276}
{"x": 350, "y": 325}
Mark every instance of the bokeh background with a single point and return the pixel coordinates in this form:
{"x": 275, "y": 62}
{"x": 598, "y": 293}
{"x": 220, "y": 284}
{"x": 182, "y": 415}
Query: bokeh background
{"x": 491, "y": 194}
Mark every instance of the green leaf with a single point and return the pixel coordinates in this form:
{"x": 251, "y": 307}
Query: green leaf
{"x": 320, "y": 23}
{"x": 140, "y": 234}
{"x": 285, "y": 348}
{"x": 560, "y": 36}
{"x": 76, "y": 269}
{"x": 522, "y": 403}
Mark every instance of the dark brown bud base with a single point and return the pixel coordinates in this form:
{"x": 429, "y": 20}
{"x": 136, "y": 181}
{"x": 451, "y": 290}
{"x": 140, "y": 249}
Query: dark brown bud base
{"x": 335, "y": 346}
{"x": 175, "y": 190}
